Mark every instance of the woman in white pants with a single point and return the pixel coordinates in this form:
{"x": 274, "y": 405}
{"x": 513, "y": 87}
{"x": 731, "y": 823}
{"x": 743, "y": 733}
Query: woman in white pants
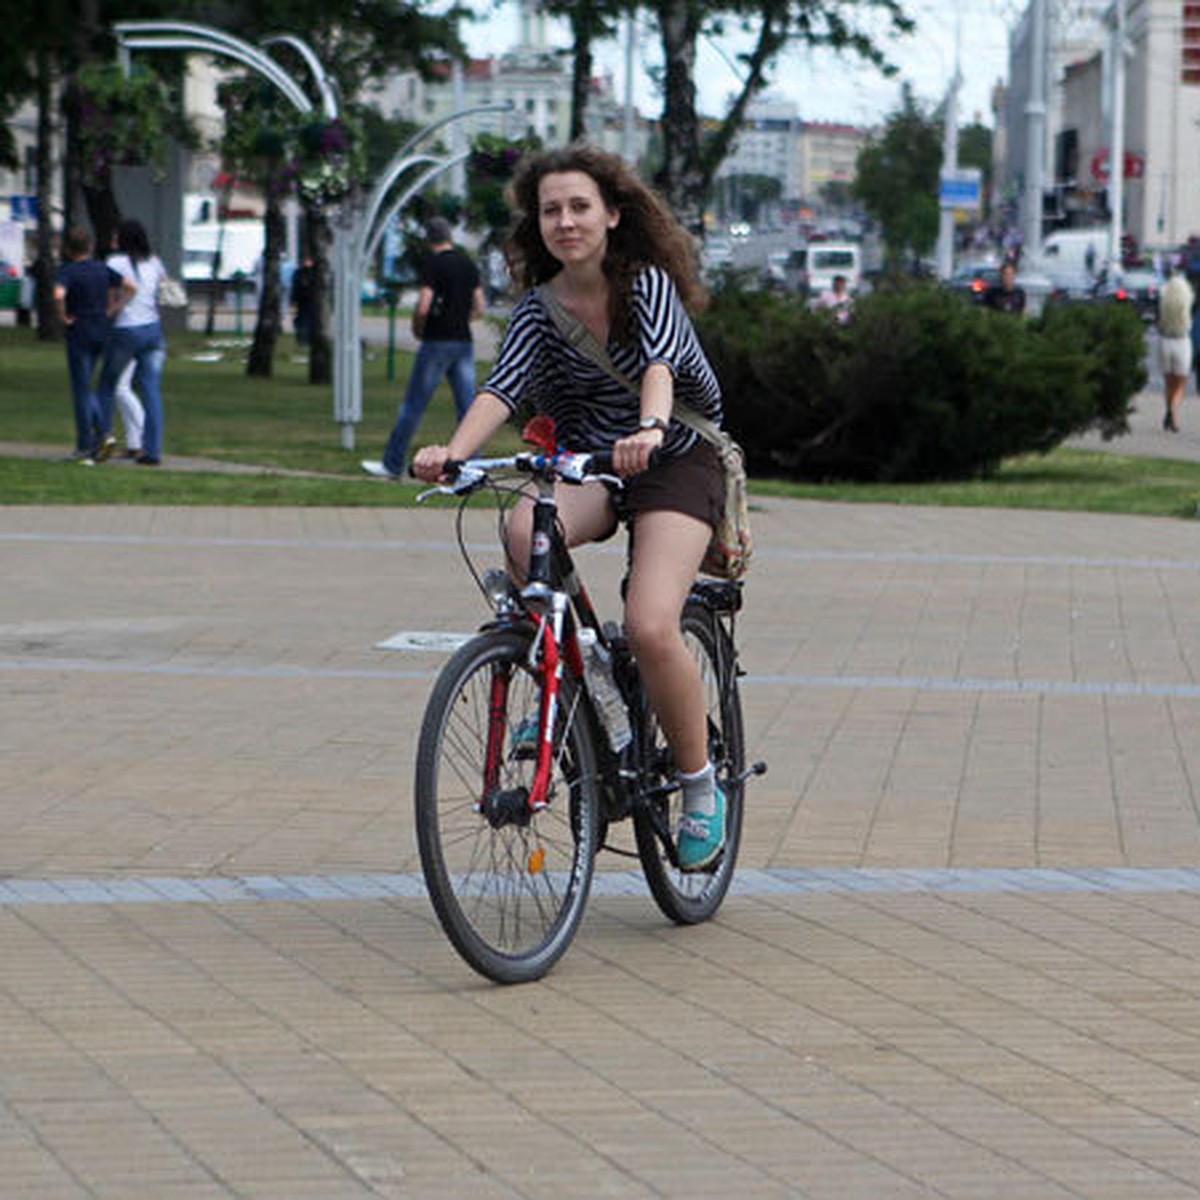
{"x": 133, "y": 416}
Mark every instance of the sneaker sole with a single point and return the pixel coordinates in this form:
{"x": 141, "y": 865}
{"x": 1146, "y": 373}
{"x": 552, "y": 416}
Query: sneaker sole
{"x": 708, "y": 863}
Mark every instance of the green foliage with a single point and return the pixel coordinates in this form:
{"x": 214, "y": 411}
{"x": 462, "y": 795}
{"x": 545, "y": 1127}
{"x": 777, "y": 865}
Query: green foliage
{"x": 382, "y": 137}
{"x": 897, "y": 179}
{"x": 265, "y": 139}
{"x": 123, "y": 120}
{"x": 489, "y": 172}
{"x": 775, "y": 360}
{"x": 1113, "y": 338}
{"x": 918, "y": 386}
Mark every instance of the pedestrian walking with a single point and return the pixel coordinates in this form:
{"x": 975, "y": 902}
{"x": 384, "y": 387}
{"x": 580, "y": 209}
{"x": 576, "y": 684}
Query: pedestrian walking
{"x": 449, "y": 299}
{"x": 87, "y": 294}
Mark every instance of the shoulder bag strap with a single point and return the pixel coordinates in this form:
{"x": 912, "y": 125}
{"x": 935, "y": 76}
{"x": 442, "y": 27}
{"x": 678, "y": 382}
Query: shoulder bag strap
{"x": 582, "y": 339}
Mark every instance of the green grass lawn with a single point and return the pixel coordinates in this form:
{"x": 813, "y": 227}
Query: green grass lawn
{"x": 212, "y": 410}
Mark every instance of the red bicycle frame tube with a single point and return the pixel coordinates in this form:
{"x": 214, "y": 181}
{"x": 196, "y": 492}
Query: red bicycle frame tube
{"x": 549, "y": 668}
{"x": 551, "y": 672}
{"x": 497, "y": 729}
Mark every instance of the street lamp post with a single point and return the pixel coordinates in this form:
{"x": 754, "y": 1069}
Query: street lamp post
{"x": 356, "y": 233}
{"x": 356, "y": 240}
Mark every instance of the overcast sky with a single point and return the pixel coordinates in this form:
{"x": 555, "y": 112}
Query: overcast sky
{"x": 824, "y": 87}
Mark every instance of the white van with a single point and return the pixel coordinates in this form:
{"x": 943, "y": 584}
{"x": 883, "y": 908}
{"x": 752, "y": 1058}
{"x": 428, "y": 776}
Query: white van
{"x": 240, "y": 241}
{"x": 1072, "y": 258}
{"x": 810, "y": 269}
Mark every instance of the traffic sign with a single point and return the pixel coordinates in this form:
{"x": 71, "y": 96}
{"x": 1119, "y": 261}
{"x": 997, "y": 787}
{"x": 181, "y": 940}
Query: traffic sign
{"x": 23, "y": 208}
{"x": 961, "y": 188}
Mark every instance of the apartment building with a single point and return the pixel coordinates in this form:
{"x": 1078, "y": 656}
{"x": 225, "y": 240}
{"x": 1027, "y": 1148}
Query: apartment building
{"x": 774, "y": 141}
{"x": 1160, "y": 118}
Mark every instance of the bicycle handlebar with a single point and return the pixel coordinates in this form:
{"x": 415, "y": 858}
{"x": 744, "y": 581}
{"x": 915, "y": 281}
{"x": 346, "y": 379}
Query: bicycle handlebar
{"x": 465, "y": 475}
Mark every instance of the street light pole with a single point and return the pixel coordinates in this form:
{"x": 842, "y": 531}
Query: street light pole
{"x": 1035, "y": 138}
{"x": 1116, "y": 141}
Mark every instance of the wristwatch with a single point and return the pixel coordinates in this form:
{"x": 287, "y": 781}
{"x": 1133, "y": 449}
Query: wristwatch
{"x": 654, "y": 423}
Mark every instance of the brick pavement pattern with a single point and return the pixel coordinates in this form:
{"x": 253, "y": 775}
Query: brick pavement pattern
{"x": 962, "y": 960}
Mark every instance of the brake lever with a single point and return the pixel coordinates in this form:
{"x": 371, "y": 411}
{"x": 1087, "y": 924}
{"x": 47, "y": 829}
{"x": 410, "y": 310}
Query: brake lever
{"x": 440, "y": 489}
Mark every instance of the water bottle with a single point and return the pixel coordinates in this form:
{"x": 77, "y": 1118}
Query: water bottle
{"x": 602, "y": 687}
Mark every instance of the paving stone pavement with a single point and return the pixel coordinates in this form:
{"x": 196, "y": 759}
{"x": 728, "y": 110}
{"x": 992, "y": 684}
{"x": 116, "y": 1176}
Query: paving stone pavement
{"x": 962, "y": 959}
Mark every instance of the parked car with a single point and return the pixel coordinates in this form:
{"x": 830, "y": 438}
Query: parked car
{"x": 972, "y": 280}
{"x": 1138, "y": 286}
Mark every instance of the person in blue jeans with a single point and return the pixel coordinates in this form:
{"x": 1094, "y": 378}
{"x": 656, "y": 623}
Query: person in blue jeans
{"x": 136, "y": 335}
{"x": 87, "y": 294}
{"x": 449, "y": 299}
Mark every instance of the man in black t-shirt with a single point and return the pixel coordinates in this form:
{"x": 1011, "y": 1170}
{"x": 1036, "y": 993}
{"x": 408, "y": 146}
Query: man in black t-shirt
{"x": 1005, "y": 296}
{"x": 450, "y": 298}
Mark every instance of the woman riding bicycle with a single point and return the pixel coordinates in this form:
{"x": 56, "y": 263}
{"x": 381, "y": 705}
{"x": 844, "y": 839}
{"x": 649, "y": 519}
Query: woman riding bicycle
{"x": 613, "y": 255}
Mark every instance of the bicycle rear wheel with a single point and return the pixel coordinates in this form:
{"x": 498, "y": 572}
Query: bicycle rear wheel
{"x": 508, "y": 884}
{"x": 690, "y": 897}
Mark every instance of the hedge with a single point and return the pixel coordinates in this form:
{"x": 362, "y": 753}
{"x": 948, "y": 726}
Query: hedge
{"x": 918, "y": 385}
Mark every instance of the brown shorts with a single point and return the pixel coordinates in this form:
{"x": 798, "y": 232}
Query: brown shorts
{"x": 693, "y": 483}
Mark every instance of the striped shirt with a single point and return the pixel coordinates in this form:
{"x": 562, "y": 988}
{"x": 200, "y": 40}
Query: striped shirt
{"x": 591, "y": 410}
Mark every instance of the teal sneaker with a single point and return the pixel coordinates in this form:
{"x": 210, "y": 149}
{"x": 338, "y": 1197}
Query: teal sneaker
{"x": 523, "y": 740}
{"x": 702, "y": 837}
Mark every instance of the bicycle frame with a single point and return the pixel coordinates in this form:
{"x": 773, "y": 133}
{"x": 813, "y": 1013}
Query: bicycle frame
{"x": 556, "y": 602}
{"x": 555, "y": 644}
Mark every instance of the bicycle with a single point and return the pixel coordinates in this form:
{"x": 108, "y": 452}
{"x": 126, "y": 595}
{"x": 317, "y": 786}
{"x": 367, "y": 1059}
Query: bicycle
{"x": 509, "y": 826}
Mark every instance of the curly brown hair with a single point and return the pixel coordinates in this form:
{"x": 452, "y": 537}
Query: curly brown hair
{"x": 648, "y": 233}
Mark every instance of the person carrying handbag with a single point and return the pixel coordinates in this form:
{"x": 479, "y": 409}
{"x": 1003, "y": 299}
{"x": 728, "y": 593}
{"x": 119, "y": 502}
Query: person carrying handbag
{"x": 136, "y": 336}
{"x": 590, "y": 233}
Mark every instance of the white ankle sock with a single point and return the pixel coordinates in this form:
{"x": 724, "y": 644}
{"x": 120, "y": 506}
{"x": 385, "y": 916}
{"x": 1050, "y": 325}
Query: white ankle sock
{"x": 699, "y": 790}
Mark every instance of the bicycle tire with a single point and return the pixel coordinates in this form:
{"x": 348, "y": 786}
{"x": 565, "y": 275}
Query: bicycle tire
{"x": 688, "y": 898}
{"x": 509, "y": 888}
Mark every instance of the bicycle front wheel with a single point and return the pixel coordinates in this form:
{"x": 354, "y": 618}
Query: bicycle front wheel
{"x": 509, "y": 884}
{"x": 691, "y": 897}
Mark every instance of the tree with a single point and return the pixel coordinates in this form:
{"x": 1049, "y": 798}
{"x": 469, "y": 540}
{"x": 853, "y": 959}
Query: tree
{"x": 255, "y": 146}
{"x": 975, "y": 150}
{"x": 746, "y": 195}
{"x": 690, "y": 161}
{"x": 590, "y": 21}
{"x": 355, "y": 41}
{"x": 897, "y": 179}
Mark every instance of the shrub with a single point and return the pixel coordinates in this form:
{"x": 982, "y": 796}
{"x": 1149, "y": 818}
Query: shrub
{"x": 918, "y": 385}
{"x": 775, "y": 360}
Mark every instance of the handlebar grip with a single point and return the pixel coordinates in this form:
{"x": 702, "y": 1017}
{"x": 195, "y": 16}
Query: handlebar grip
{"x": 450, "y": 469}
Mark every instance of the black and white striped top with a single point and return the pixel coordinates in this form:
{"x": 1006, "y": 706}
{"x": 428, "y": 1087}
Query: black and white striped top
{"x": 591, "y": 410}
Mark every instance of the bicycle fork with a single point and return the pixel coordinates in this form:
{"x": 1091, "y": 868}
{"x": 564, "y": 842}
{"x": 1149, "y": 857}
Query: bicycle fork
{"x": 515, "y": 806}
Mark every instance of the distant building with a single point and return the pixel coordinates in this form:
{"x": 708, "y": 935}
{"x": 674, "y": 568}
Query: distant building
{"x": 829, "y": 154}
{"x": 535, "y": 78}
{"x": 1161, "y": 120}
{"x": 774, "y": 141}
{"x": 768, "y": 144}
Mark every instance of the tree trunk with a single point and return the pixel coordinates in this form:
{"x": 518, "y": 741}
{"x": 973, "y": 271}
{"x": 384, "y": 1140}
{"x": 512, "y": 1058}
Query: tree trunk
{"x": 318, "y": 240}
{"x": 581, "y": 71}
{"x": 48, "y": 325}
{"x": 261, "y": 361}
{"x": 71, "y": 170}
{"x": 103, "y": 211}
{"x": 682, "y": 179}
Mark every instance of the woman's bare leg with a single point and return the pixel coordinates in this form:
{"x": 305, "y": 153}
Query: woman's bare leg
{"x": 667, "y": 551}
{"x": 584, "y": 511}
